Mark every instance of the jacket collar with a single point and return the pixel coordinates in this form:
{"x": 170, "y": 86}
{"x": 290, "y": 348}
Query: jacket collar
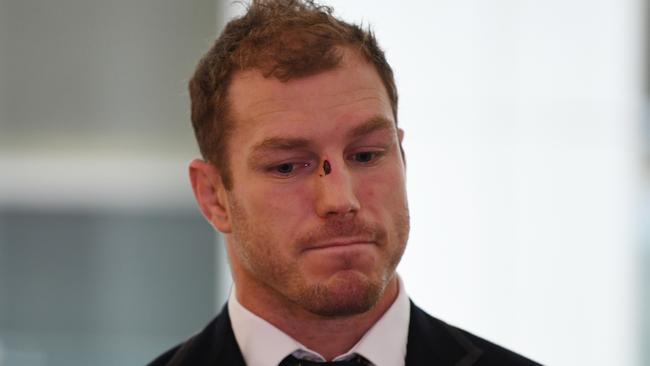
{"x": 215, "y": 345}
{"x": 434, "y": 342}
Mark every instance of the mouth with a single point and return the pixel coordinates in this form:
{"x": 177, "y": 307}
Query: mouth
{"x": 340, "y": 243}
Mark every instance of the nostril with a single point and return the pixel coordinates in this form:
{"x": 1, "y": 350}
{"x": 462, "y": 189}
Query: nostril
{"x": 343, "y": 213}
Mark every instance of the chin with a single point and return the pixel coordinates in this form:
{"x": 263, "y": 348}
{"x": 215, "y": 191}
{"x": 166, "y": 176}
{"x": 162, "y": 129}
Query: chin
{"x": 345, "y": 293}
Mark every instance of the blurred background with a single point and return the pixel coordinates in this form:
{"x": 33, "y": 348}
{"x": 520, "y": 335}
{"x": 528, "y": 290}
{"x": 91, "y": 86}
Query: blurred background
{"x": 527, "y": 139}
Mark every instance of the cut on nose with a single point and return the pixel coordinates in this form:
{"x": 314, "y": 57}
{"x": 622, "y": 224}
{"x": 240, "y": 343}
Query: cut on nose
{"x": 336, "y": 193}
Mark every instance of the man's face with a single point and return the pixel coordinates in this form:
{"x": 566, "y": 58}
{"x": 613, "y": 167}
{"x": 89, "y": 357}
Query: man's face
{"x": 326, "y": 239}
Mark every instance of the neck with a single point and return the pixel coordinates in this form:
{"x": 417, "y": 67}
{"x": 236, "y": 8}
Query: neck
{"x": 329, "y": 336}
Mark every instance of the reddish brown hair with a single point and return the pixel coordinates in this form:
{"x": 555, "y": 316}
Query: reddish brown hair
{"x": 284, "y": 39}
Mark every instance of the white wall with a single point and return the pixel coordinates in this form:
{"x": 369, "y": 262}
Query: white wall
{"x": 521, "y": 122}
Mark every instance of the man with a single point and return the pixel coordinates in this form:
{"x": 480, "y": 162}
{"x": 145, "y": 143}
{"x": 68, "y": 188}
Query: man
{"x": 295, "y": 113}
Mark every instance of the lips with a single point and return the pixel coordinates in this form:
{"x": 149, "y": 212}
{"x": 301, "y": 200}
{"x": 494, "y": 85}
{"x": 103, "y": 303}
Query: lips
{"x": 340, "y": 242}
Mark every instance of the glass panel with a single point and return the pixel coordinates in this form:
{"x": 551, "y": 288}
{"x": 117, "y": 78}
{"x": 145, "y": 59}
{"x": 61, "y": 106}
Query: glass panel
{"x": 102, "y": 288}
{"x": 104, "y": 259}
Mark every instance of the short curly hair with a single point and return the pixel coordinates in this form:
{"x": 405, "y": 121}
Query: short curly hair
{"x": 284, "y": 39}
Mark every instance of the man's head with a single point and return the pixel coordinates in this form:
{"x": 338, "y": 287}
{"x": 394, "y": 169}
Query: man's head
{"x": 283, "y": 39}
{"x": 310, "y": 192}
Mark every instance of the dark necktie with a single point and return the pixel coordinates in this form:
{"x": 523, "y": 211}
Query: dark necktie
{"x": 356, "y": 361}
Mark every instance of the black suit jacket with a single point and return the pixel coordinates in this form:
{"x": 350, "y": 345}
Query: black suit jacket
{"x": 431, "y": 342}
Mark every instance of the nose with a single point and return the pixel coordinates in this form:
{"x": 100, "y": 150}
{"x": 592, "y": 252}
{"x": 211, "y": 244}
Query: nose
{"x": 335, "y": 192}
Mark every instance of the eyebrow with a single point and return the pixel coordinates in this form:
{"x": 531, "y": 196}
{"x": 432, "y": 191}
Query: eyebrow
{"x": 277, "y": 143}
{"x": 281, "y": 143}
{"x": 370, "y": 126}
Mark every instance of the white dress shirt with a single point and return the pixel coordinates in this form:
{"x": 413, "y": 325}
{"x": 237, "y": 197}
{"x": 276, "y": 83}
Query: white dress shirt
{"x": 262, "y": 344}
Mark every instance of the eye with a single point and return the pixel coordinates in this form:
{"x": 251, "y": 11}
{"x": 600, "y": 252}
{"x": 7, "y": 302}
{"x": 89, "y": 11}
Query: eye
{"x": 285, "y": 168}
{"x": 364, "y": 156}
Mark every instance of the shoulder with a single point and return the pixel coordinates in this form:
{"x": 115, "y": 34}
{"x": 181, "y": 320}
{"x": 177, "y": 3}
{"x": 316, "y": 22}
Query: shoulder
{"x": 432, "y": 338}
{"x": 215, "y": 344}
{"x": 163, "y": 359}
{"x": 493, "y": 354}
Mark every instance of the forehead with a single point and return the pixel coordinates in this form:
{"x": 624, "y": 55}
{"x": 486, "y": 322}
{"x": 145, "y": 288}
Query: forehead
{"x": 351, "y": 91}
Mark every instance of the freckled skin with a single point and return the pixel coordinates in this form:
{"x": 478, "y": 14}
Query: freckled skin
{"x": 274, "y": 220}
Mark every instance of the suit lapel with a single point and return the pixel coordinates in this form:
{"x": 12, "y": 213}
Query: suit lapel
{"x": 215, "y": 345}
{"x": 431, "y": 342}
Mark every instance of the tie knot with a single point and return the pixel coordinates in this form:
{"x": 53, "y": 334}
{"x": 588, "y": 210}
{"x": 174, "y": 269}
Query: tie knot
{"x": 357, "y": 360}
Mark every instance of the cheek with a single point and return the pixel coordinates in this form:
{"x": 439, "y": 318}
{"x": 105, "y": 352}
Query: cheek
{"x": 384, "y": 201}
{"x": 383, "y": 190}
{"x": 279, "y": 205}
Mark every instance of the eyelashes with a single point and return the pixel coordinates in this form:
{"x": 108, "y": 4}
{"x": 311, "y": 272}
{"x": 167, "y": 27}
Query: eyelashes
{"x": 366, "y": 156}
{"x": 286, "y": 169}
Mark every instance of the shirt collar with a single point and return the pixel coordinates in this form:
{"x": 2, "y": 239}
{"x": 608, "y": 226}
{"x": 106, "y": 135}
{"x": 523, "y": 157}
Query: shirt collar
{"x": 262, "y": 344}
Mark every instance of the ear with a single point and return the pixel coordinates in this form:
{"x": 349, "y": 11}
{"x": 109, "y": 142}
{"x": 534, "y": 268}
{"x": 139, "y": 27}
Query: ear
{"x": 400, "y": 135}
{"x": 210, "y": 194}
